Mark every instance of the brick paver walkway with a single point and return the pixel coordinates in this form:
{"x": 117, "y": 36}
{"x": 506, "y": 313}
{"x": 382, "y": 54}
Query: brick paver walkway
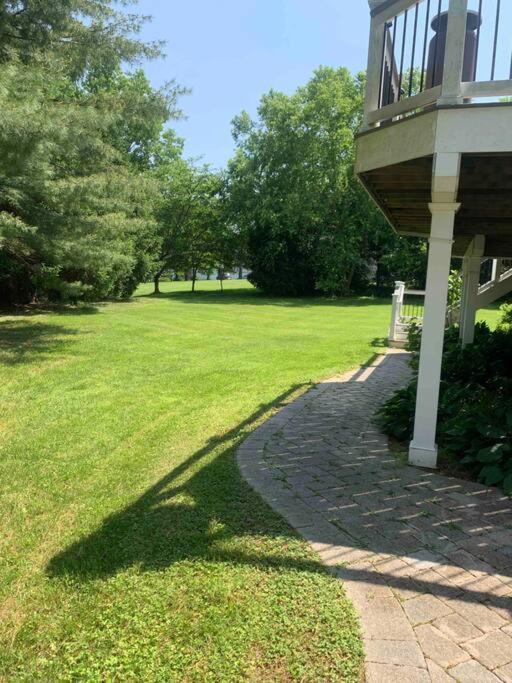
{"x": 427, "y": 559}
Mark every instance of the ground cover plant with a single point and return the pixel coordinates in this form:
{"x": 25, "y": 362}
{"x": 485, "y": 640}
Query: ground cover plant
{"x": 131, "y": 549}
{"x": 475, "y": 408}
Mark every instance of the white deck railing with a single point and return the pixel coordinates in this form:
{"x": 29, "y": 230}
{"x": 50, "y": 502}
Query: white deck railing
{"x": 412, "y": 67}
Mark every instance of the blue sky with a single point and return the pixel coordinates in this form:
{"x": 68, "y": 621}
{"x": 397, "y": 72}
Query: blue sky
{"x": 230, "y": 52}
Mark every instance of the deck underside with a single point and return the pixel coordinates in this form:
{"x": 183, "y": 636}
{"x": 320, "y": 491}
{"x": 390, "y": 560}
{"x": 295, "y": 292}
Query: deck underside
{"x": 403, "y": 192}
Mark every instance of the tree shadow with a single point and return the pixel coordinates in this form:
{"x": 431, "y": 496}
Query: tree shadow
{"x": 207, "y": 516}
{"x": 22, "y": 341}
{"x": 244, "y": 296}
{"x": 184, "y": 519}
{"x": 35, "y": 310}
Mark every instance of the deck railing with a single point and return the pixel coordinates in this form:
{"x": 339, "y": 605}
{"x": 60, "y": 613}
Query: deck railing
{"x": 446, "y": 52}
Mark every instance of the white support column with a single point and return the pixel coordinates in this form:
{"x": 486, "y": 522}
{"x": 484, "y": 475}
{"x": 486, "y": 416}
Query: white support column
{"x": 471, "y": 280}
{"x": 423, "y": 449}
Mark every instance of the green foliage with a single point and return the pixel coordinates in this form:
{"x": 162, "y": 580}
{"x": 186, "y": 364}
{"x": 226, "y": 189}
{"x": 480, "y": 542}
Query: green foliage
{"x": 401, "y": 258}
{"x": 76, "y": 137}
{"x": 310, "y": 226}
{"x": 84, "y": 33}
{"x": 194, "y": 226}
{"x": 505, "y": 322}
{"x": 475, "y": 408}
{"x": 455, "y": 288}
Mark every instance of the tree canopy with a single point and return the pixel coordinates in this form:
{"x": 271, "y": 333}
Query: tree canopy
{"x": 96, "y": 194}
{"x": 76, "y": 139}
{"x": 310, "y": 225}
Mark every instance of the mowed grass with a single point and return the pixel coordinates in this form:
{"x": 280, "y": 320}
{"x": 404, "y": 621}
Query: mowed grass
{"x": 131, "y": 549}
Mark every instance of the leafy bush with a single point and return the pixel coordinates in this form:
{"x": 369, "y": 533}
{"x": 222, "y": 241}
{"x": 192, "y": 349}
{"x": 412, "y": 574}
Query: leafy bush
{"x": 475, "y": 408}
{"x": 455, "y": 288}
{"x": 506, "y": 318}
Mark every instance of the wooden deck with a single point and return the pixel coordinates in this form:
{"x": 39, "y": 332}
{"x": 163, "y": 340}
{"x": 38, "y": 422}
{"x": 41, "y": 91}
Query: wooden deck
{"x": 403, "y": 193}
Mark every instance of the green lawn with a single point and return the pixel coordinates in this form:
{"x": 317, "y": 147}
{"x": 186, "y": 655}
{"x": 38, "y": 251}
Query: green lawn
{"x": 130, "y": 548}
{"x": 490, "y": 315}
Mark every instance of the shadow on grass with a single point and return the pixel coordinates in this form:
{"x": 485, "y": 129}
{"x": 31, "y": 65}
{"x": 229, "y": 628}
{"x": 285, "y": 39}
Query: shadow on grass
{"x": 185, "y": 519}
{"x": 22, "y": 341}
{"x": 254, "y": 297}
{"x": 50, "y": 309}
{"x": 214, "y": 515}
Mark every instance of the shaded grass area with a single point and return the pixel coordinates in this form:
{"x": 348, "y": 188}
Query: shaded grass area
{"x": 131, "y": 549}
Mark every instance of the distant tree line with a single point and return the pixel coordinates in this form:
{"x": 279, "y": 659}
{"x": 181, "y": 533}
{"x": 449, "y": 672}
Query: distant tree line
{"x": 96, "y": 194}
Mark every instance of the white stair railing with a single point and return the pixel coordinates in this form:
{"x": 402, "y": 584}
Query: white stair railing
{"x": 396, "y": 310}
{"x": 403, "y": 312}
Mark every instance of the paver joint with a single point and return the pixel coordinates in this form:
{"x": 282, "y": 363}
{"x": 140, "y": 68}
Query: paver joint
{"x": 426, "y": 558}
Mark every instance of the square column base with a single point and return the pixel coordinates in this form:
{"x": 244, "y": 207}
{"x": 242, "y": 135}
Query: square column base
{"x": 423, "y": 457}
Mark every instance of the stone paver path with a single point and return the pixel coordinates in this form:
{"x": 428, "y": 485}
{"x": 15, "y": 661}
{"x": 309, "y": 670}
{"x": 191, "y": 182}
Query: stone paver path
{"x": 426, "y": 559}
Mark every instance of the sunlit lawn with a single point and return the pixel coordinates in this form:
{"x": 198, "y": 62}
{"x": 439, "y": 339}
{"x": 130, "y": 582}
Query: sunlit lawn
{"x": 130, "y": 548}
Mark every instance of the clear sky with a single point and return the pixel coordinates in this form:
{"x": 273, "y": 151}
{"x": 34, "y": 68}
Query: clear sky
{"x": 230, "y": 52}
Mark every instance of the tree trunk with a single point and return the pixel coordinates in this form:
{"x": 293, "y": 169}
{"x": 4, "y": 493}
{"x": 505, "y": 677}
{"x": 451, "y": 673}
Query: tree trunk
{"x": 156, "y": 281}
{"x": 240, "y": 272}
{"x": 194, "y": 275}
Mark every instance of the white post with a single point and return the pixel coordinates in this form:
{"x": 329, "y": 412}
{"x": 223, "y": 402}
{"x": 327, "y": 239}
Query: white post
{"x": 396, "y": 309}
{"x": 495, "y": 271}
{"x": 374, "y": 69}
{"x": 454, "y": 56}
{"x": 423, "y": 449}
{"x": 471, "y": 280}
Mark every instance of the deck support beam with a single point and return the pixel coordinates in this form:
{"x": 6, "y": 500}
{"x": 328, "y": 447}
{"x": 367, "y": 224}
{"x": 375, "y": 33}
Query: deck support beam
{"x": 471, "y": 280}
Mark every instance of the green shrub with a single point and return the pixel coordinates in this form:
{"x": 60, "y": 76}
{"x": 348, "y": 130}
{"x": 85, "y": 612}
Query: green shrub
{"x": 475, "y": 408}
{"x": 506, "y": 319}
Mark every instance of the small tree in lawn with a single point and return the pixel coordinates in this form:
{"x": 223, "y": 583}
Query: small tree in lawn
{"x": 201, "y": 240}
{"x": 187, "y": 212}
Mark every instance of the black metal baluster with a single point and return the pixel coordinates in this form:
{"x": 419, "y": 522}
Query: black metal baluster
{"x": 404, "y": 38}
{"x": 427, "y": 17}
{"x": 495, "y": 46}
{"x": 478, "y": 38}
{"x": 434, "y": 67}
{"x": 392, "y": 63}
{"x": 411, "y": 75}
